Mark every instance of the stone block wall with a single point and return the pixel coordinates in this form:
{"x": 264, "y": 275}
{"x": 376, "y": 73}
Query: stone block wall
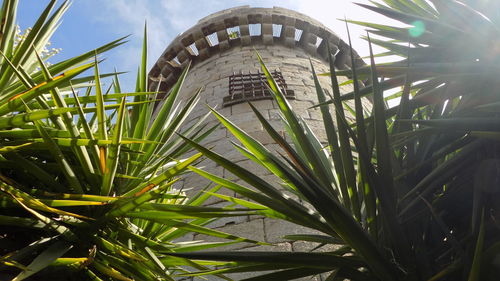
{"x": 212, "y": 76}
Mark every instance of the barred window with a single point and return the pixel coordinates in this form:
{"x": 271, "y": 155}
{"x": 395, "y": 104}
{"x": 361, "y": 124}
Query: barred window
{"x": 253, "y": 86}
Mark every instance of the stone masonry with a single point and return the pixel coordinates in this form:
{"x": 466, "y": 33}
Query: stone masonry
{"x": 226, "y": 43}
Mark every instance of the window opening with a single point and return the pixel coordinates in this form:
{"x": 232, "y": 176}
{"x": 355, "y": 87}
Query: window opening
{"x": 212, "y": 39}
{"x": 298, "y": 34}
{"x": 318, "y": 41}
{"x": 233, "y": 32}
{"x": 255, "y": 29}
{"x": 277, "y": 30}
{"x": 193, "y": 50}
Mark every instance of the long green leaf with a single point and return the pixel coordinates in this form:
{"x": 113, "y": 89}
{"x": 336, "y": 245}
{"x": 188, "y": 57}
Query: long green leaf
{"x": 113, "y": 152}
{"x": 45, "y": 258}
{"x": 16, "y": 101}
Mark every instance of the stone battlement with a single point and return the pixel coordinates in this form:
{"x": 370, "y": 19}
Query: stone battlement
{"x": 245, "y": 26}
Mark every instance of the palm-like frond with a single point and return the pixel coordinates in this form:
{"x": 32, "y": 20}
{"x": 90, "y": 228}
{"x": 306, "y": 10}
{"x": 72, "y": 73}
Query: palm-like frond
{"x": 419, "y": 199}
{"x": 87, "y": 181}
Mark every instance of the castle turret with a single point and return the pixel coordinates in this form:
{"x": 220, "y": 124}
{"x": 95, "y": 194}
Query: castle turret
{"x": 222, "y": 50}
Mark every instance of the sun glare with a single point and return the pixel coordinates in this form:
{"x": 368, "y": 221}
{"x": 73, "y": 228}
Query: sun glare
{"x": 417, "y": 29}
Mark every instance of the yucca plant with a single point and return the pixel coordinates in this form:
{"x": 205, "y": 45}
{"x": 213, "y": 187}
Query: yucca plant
{"x": 87, "y": 181}
{"x": 408, "y": 192}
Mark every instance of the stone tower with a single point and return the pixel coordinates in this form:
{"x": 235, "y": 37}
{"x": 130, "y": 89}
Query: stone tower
{"x": 222, "y": 50}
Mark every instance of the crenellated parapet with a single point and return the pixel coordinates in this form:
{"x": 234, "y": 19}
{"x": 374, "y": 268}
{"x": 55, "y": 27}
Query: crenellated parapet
{"x": 245, "y": 26}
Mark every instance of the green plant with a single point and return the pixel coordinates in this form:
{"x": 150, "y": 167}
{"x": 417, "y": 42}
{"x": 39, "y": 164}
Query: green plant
{"x": 88, "y": 174}
{"x": 406, "y": 193}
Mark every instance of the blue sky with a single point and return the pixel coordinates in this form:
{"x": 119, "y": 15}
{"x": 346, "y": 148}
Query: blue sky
{"x": 91, "y": 23}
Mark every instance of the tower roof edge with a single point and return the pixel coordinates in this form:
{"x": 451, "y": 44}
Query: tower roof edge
{"x": 243, "y": 26}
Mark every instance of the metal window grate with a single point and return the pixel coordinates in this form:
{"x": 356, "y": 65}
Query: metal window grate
{"x": 253, "y": 86}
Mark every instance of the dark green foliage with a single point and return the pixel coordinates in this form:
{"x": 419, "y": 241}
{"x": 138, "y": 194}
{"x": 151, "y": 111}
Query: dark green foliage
{"x": 422, "y": 202}
{"x": 86, "y": 176}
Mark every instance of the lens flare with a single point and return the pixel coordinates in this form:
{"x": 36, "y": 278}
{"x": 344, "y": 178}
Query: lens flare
{"x": 418, "y": 28}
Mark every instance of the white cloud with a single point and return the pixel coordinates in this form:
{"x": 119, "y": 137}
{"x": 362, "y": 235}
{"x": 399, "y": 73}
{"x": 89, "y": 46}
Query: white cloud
{"x": 129, "y": 17}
